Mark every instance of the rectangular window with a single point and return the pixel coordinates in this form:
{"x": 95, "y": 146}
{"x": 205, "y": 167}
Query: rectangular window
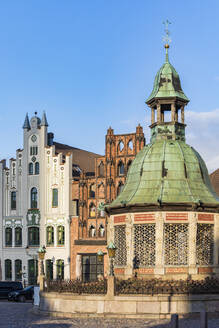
{"x": 176, "y": 244}
{"x": 75, "y": 207}
{"x": 13, "y": 200}
{"x": 55, "y": 197}
{"x": 91, "y": 268}
{"x": 205, "y": 244}
{"x": 120, "y": 242}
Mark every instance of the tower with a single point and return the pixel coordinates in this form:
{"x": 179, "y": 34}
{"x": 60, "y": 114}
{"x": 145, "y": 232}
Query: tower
{"x": 165, "y": 221}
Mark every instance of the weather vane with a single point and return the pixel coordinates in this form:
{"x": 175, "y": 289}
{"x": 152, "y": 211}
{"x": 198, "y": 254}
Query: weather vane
{"x": 167, "y": 38}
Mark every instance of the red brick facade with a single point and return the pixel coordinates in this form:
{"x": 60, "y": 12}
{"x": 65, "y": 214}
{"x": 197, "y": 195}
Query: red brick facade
{"x": 90, "y": 189}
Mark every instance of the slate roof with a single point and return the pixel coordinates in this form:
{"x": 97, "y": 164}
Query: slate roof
{"x": 82, "y": 158}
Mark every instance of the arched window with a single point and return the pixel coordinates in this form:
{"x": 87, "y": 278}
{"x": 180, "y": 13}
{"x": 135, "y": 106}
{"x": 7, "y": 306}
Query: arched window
{"x": 33, "y": 198}
{"x": 13, "y": 200}
{"x": 55, "y": 197}
{"x": 49, "y": 269}
{"x": 101, "y": 191}
{"x": 120, "y": 146}
{"x": 130, "y": 144}
{"x": 60, "y": 269}
{"x": 18, "y": 236}
{"x": 61, "y": 235}
{"x": 101, "y": 169}
{"x": 37, "y": 168}
{"x": 30, "y": 168}
{"x": 92, "y": 231}
{"x": 33, "y": 236}
{"x": 129, "y": 164}
{"x": 8, "y": 270}
{"x": 101, "y": 230}
{"x": 8, "y": 237}
{"x": 92, "y": 190}
{"x": 92, "y": 210}
{"x": 120, "y": 188}
{"x": 18, "y": 269}
{"x": 121, "y": 168}
{"x": 50, "y": 236}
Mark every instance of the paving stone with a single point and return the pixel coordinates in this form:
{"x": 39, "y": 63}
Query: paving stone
{"x": 19, "y": 315}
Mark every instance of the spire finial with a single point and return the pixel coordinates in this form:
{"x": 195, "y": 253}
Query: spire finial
{"x": 167, "y": 38}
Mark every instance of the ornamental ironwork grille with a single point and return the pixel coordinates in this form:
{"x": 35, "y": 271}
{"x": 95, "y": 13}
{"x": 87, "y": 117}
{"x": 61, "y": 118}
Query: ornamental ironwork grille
{"x": 204, "y": 243}
{"x": 175, "y": 244}
{"x": 144, "y": 245}
{"x": 120, "y": 242}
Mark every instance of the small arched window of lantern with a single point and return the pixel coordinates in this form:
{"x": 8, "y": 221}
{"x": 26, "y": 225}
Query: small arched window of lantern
{"x": 130, "y": 144}
{"x": 92, "y": 190}
{"x": 37, "y": 168}
{"x": 120, "y": 146}
{"x": 128, "y": 165}
{"x": 101, "y": 169}
{"x": 92, "y": 210}
{"x": 92, "y": 231}
{"x": 101, "y": 230}
{"x": 121, "y": 168}
{"x": 120, "y": 188}
{"x": 30, "y": 168}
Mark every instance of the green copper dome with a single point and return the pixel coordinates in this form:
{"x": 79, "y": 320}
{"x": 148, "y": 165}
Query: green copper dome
{"x": 167, "y": 172}
{"x": 167, "y": 83}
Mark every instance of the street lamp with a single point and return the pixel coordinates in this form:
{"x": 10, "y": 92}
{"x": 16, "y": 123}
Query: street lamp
{"x": 41, "y": 254}
{"x": 100, "y": 256}
{"x": 112, "y": 253}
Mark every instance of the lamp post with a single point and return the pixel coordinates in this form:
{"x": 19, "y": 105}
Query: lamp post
{"x": 41, "y": 254}
{"x": 111, "y": 252}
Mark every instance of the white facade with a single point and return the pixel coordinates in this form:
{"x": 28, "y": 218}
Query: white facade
{"x": 26, "y": 209}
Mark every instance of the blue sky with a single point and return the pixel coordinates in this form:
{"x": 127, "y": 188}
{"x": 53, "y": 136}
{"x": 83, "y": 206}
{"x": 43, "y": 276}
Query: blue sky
{"x": 91, "y": 64}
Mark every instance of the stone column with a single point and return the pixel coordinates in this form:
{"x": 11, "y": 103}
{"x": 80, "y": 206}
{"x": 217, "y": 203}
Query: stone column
{"x": 129, "y": 246}
{"x": 216, "y": 243}
{"x": 159, "y": 244}
{"x": 78, "y": 266}
{"x": 158, "y": 113}
{"x": 182, "y": 115}
{"x": 192, "y": 243}
{"x": 173, "y": 109}
{"x": 152, "y": 115}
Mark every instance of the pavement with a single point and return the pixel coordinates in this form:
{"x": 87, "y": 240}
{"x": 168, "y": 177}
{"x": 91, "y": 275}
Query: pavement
{"x": 20, "y": 315}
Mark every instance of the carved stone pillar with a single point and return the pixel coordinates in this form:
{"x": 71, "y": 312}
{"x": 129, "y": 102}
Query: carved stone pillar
{"x": 192, "y": 243}
{"x": 129, "y": 246}
{"x": 158, "y": 113}
{"x": 173, "y": 110}
{"x": 182, "y": 115}
{"x": 159, "y": 242}
{"x": 152, "y": 115}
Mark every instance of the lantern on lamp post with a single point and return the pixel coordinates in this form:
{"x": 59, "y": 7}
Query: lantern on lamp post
{"x": 41, "y": 254}
{"x": 100, "y": 256}
{"x": 112, "y": 253}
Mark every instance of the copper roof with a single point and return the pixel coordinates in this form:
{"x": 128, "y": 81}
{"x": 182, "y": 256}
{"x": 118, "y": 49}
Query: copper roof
{"x": 83, "y": 158}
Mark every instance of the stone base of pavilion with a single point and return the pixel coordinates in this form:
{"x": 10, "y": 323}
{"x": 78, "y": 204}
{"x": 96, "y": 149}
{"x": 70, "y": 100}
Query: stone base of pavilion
{"x": 126, "y": 306}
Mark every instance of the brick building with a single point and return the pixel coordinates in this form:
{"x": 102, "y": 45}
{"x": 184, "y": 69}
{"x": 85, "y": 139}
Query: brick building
{"x": 90, "y": 191}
